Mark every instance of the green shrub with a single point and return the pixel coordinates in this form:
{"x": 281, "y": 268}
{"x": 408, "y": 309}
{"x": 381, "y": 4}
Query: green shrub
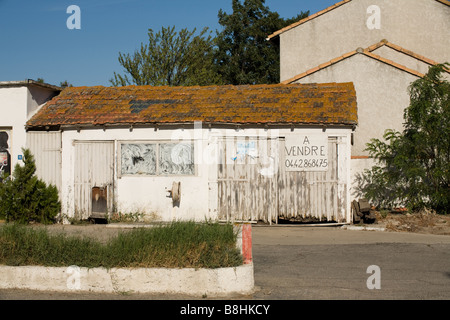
{"x": 25, "y": 198}
{"x": 413, "y": 166}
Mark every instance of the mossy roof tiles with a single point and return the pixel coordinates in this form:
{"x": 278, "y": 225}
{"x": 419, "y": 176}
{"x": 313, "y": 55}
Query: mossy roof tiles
{"x": 332, "y": 103}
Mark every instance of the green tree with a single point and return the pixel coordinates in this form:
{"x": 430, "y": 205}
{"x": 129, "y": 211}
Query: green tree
{"x": 170, "y": 58}
{"x": 414, "y": 165}
{"x": 26, "y": 198}
{"x": 244, "y": 56}
{"x": 65, "y": 84}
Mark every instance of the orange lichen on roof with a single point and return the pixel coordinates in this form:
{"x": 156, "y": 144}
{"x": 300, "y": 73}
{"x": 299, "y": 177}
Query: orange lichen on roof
{"x": 332, "y": 103}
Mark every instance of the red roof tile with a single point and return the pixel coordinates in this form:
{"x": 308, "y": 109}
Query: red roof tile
{"x": 259, "y": 104}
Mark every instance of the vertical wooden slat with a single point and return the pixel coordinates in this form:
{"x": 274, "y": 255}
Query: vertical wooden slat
{"x": 244, "y": 192}
{"x": 94, "y": 167}
{"x": 311, "y": 194}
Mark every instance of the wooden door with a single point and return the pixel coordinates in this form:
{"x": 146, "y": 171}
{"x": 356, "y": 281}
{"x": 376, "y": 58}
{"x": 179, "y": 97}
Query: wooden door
{"x": 247, "y": 179}
{"x": 94, "y": 176}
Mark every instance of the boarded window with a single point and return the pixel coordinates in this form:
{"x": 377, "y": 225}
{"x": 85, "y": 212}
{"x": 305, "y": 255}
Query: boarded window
{"x": 157, "y": 158}
{"x": 176, "y": 158}
{"x": 138, "y": 158}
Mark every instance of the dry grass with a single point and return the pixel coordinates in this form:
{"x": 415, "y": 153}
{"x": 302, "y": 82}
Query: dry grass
{"x": 175, "y": 245}
{"x": 420, "y": 222}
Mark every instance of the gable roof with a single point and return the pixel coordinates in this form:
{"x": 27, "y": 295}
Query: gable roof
{"x": 369, "y": 53}
{"x": 322, "y": 12}
{"x": 332, "y": 103}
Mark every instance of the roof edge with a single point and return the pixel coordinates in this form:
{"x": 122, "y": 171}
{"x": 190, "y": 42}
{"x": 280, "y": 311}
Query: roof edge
{"x": 28, "y": 82}
{"x": 206, "y": 125}
{"x": 368, "y": 52}
{"x": 311, "y": 17}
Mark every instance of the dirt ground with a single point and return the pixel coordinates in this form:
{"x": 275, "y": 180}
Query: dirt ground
{"x": 425, "y": 222}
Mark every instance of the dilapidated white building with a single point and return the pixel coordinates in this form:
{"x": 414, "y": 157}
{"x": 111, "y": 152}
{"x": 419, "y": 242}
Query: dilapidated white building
{"x": 248, "y": 153}
{"x": 19, "y": 100}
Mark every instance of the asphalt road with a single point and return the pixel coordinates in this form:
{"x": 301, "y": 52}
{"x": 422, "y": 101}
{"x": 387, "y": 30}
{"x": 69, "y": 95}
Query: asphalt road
{"x": 331, "y": 263}
{"x": 306, "y": 263}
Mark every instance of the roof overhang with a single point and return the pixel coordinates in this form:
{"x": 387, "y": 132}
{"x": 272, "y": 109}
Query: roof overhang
{"x": 29, "y": 82}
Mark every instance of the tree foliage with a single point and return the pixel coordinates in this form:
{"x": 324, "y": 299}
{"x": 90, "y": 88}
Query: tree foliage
{"x": 170, "y": 58}
{"x": 414, "y": 165}
{"x": 26, "y": 198}
{"x": 238, "y": 54}
{"x": 244, "y": 56}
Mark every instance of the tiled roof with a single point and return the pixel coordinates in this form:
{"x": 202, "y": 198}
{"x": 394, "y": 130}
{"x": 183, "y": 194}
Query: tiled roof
{"x": 317, "y": 14}
{"x": 333, "y": 103}
{"x": 369, "y": 53}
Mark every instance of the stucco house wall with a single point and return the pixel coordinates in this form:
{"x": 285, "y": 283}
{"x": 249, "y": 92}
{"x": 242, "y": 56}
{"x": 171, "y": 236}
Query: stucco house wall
{"x": 421, "y": 26}
{"x": 19, "y": 100}
{"x": 382, "y": 94}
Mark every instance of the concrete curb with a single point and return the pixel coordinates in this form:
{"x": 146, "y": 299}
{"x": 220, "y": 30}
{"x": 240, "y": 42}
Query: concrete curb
{"x": 222, "y": 281}
{"x": 189, "y": 281}
{"x": 363, "y": 228}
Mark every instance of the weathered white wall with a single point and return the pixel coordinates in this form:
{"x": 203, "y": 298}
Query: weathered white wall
{"x": 421, "y": 26}
{"x": 148, "y": 194}
{"x": 138, "y": 194}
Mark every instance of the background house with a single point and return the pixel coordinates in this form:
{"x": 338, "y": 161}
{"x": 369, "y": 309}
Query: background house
{"x": 381, "y": 46}
{"x": 19, "y": 100}
{"x": 249, "y": 153}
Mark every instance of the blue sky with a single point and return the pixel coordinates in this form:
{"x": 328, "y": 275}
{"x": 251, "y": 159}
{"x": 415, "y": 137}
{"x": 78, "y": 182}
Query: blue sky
{"x": 36, "y": 43}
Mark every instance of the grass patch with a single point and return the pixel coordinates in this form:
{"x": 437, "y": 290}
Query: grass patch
{"x": 174, "y": 245}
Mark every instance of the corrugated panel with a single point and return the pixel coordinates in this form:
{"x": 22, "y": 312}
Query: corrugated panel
{"x": 94, "y": 167}
{"x": 46, "y": 148}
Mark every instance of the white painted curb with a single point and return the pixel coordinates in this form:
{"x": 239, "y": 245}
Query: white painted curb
{"x": 364, "y": 228}
{"x": 221, "y": 281}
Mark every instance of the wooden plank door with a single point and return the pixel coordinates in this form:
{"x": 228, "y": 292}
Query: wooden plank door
{"x": 94, "y": 176}
{"x": 313, "y": 196}
{"x": 247, "y": 179}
